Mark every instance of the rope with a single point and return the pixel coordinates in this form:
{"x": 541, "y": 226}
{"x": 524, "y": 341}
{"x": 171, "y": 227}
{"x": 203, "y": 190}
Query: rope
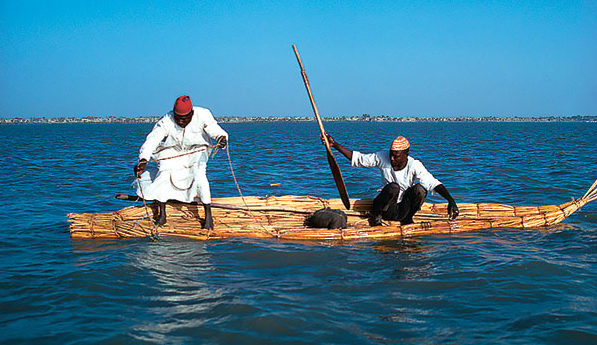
{"x": 206, "y": 147}
{"x": 243, "y": 198}
{"x": 154, "y": 232}
{"x": 92, "y": 223}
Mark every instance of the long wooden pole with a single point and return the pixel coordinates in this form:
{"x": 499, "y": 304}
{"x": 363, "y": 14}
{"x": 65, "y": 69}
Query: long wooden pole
{"x": 331, "y": 160}
{"x": 241, "y": 208}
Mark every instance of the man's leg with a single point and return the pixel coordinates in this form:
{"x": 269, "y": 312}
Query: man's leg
{"x": 203, "y": 191}
{"x": 161, "y": 213}
{"x": 411, "y": 203}
{"x": 209, "y": 221}
{"x": 383, "y": 202}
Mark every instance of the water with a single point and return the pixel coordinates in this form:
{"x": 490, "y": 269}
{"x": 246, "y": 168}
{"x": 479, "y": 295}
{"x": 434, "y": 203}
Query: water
{"x": 501, "y": 286}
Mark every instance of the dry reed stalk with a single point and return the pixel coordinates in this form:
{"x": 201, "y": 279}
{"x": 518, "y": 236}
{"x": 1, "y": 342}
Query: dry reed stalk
{"x": 525, "y": 210}
{"x": 506, "y": 222}
{"x": 533, "y": 221}
{"x": 549, "y": 208}
{"x": 495, "y": 210}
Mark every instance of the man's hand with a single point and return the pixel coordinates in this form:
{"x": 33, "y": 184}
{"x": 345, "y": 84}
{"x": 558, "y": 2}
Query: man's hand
{"x": 453, "y": 210}
{"x": 452, "y": 207}
{"x": 222, "y": 142}
{"x": 331, "y": 140}
{"x": 140, "y": 167}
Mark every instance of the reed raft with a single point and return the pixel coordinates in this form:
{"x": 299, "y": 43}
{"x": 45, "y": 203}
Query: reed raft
{"x": 283, "y": 218}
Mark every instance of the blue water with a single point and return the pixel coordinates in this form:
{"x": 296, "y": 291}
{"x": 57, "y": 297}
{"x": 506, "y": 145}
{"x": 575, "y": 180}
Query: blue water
{"x": 501, "y": 286}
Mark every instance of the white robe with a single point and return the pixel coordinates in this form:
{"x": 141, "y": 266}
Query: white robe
{"x": 183, "y": 178}
{"x": 407, "y": 177}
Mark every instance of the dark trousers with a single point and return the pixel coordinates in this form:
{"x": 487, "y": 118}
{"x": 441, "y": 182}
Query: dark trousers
{"x": 386, "y": 205}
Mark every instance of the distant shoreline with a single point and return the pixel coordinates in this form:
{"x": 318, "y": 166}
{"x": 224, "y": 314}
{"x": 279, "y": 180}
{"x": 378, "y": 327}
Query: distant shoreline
{"x": 260, "y": 119}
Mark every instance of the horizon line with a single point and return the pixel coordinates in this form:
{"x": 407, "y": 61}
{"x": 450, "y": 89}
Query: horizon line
{"x": 365, "y": 116}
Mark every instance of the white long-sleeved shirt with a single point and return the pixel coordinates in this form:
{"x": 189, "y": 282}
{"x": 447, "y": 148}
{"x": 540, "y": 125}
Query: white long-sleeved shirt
{"x": 407, "y": 177}
{"x": 167, "y": 139}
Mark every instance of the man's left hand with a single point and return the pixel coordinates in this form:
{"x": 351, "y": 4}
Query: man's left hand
{"x": 453, "y": 210}
{"x": 222, "y": 142}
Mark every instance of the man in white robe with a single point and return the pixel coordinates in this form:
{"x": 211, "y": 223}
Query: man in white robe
{"x": 180, "y": 142}
{"x": 401, "y": 196}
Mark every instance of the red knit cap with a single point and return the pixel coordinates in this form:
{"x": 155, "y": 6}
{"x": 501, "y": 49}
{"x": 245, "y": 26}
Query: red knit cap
{"x": 400, "y": 144}
{"x": 183, "y": 105}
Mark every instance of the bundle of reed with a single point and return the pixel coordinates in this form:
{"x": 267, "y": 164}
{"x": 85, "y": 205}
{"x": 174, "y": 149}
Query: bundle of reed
{"x": 283, "y": 217}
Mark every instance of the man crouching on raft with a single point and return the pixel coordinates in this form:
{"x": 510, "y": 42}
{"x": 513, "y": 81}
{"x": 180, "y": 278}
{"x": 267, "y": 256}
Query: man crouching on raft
{"x": 400, "y": 197}
{"x": 180, "y": 142}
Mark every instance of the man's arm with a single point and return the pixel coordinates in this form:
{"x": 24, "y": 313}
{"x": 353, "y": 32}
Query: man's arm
{"x": 213, "y": 129}
{"x": 452, "y": 207}
{"x": 346, "y": 152}
{"x": 153, "y": 139}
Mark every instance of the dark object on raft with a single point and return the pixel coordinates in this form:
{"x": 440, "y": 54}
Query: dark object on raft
{"x": 327, "y": 218}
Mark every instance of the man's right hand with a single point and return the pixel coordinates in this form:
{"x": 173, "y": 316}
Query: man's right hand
{"x": 330, "y": 140}
{"x": 346, "y": 152}
{"x": 453, "y": 211}
{"x": 140, "y": 167}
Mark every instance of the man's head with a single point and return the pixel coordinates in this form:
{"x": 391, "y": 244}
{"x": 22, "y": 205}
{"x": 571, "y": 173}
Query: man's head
{"x": 399, "y": 153}
{"x": 183, "y": 111}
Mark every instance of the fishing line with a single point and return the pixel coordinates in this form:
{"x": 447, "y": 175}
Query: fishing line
{"x": 243, "y": 198}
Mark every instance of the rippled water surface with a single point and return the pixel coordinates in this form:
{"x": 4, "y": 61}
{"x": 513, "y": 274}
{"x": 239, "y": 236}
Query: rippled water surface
{"x": 500, "y": 286}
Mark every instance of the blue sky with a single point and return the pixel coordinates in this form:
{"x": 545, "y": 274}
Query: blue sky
{"x": 401, "y": 58}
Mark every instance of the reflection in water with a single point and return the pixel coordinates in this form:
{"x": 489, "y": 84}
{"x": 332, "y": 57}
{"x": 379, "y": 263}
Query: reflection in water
{"x": 90, "y": 252}
{"x": 410, "y": 258}
{"x": 181, "y": 296}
